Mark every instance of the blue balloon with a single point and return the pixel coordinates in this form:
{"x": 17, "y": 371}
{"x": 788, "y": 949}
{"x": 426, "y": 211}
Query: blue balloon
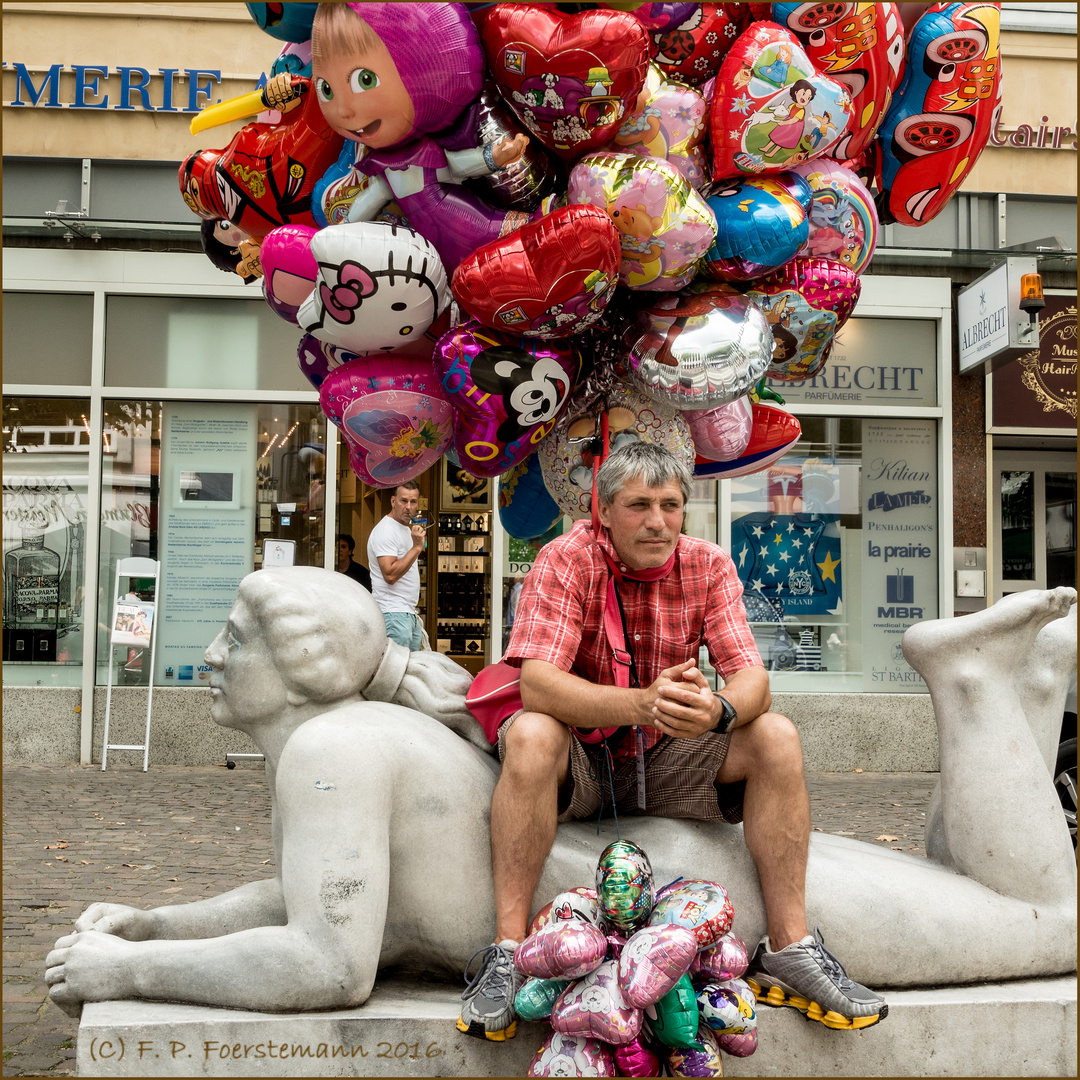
{"x": 526, "y": 509}
{"x": 761, "y": 222}
{"x": 286, "y": 22}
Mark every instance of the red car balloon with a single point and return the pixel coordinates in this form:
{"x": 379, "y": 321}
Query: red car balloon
{"x": 771, "y": 109}
{"x": 549, "y": 279}
{"x": 944, "y": 111}
{"x": 265, "y": 176}
{"x": 859, "y": 45}
{"x": 570, "y": 79}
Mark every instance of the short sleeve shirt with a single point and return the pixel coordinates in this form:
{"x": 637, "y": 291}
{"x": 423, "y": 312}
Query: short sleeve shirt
{"x": 560, "y": 616}
{"x": 390, "y": 537}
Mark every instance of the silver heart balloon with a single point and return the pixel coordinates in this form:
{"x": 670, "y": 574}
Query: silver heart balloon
{"x": 702, "y": 347}
{"x": 525, "y": 182}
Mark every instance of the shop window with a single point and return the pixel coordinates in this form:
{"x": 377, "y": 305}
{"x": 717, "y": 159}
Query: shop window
{"x": 195, "y": 343}
{"x": 46, "y": 465}
{"x": 213, "y": 491}
{"x": 837, "y": 548}
{"x": 48, "y": 338}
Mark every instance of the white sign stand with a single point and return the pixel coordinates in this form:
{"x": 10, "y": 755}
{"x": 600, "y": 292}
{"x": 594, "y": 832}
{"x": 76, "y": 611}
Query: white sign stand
{"x": 134, "y": 624}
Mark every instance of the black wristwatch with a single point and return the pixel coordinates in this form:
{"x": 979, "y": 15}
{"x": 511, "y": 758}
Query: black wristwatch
{"x": 727, "y": 718}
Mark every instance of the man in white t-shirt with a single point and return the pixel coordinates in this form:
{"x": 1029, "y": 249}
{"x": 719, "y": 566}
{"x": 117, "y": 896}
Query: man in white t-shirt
{"x": 393, "y": 548}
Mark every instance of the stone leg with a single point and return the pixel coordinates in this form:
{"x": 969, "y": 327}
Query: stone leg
{"x": 1000, "y": 819}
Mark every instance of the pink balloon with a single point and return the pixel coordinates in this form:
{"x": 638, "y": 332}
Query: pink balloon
{"x": 721, "y": 434}
{"x": 576, "y": 903}
{"x": 636, "y": 1059}
{"x": 653, "y": 961}
{"x": 843, "y": 217}
{"x": 665, "y": 226}
{"x": 289, "y": 268}
{"x": 563, "y": 950}
{"x": 740, "y": 1045}
{"x": 596, "y": 1008}
{"x": 572, "y": 1055}
{"x": 393, "y": 415}
{"x": 508, "y": 392}
{"x": 727, "y": 959}
{"x": 668, "y": 123}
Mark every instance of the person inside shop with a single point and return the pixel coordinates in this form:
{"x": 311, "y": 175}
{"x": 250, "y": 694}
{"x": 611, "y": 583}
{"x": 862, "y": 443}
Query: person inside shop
{"x": 346, "y": 545}
{"x": 393, "y": 548}
{"x": 673, "y": 746}
{"x": 513, "y": 595}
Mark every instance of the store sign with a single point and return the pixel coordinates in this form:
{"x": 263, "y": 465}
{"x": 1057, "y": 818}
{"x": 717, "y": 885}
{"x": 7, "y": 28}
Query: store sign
{"x": 873, "y": 362}
{"x": 1039, "y": 390}
{"x": 990, "y": 323}
{"x": 1040, "y": 137}
{"x": 122, "y": 89}
{"x": 900, "y": 559}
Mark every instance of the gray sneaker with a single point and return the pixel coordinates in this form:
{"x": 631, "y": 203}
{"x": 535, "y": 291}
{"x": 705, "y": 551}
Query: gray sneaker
{"x": 488, "y": 1009}
{"x": 806, "y": 976}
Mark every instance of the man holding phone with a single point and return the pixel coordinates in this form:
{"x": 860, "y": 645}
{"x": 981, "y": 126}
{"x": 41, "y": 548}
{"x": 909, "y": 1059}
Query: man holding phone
{"x": 393, "y": 548}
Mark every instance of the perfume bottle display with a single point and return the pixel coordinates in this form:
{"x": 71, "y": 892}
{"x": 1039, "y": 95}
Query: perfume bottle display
{"x": 31, "y": 584}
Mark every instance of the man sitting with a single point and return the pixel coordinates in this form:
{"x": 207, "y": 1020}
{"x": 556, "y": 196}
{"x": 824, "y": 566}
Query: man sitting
{"x": 675, "y": 748}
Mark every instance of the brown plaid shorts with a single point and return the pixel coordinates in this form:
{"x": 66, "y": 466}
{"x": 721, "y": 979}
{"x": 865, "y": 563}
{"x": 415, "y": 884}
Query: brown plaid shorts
{"x": 680, "y": 780}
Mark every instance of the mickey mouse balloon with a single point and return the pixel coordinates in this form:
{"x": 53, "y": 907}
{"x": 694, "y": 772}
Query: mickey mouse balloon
{"x": 506, "y": 391}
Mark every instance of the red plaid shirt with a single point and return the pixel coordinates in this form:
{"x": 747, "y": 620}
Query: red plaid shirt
{"x": 560, "y": 616}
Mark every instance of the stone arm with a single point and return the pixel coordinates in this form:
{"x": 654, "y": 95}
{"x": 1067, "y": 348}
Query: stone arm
{"x": 259, "y": 903}
{"x": 334, "y": 873}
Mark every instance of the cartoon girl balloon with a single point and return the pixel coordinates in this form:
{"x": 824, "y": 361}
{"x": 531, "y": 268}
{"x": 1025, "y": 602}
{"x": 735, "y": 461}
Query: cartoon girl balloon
{"x": 387, "y": 76}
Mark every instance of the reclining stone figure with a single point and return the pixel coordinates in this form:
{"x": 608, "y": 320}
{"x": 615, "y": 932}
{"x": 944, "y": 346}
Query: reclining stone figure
{"x": 381, "y": 833}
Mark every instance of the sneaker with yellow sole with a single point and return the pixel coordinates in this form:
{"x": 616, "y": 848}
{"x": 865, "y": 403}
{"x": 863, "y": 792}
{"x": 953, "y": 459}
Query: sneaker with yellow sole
{"x": 806, "y": 976}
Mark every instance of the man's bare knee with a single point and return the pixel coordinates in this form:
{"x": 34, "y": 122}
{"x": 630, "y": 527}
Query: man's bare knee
{"x": 768, "y": 745}
{"x": 536, "y": 743}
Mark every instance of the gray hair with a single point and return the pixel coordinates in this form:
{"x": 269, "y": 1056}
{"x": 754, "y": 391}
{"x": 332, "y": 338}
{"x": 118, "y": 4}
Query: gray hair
{"x": 652, "y": 464}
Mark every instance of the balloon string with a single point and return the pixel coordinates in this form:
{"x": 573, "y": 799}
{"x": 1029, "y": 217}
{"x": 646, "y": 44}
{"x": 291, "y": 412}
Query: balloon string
{"x": 606, "y": 769}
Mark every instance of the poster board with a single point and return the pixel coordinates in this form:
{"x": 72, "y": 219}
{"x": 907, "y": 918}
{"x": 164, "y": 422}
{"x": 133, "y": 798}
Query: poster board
{"x": 132, "y": 623}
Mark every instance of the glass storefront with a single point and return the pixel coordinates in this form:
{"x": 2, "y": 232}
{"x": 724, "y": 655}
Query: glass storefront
{"x": 837, "y": 543}
{"x": 837, "y": 547}
{"x": 46, "y": 454}
{"x": 213, "y": 491}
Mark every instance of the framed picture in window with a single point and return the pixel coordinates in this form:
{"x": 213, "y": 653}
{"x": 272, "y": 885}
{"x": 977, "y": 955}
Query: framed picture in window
{"x": 463, "y": 491}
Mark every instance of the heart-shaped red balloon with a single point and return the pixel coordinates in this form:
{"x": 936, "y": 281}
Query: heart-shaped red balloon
{"x": 570, "y": 79}
{"x": 549, "y": 279}
{"x": 771, "y": 109}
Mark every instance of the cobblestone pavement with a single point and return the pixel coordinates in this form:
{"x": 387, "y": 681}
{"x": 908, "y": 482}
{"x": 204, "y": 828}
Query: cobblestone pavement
{"x": 73, "y": 835}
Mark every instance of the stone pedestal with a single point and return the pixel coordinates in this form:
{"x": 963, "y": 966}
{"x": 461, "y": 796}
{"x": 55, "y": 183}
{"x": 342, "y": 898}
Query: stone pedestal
{"x": 405, "y": 1029}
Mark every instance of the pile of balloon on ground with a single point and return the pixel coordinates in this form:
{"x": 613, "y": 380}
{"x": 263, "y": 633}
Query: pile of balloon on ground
{"x": 496, "y": 223}
{"x": 635, "y": 981}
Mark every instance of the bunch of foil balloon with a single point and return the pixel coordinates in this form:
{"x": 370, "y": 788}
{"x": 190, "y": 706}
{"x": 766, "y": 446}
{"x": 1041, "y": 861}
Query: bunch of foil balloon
{"x": 636, "y": 980}
{"x": 545, "y": 217}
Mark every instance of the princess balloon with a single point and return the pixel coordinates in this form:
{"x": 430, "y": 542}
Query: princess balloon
{"x": 387, "y": 77}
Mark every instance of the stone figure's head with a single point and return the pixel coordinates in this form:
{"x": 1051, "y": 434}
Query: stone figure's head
{"x": 296, "y": 634}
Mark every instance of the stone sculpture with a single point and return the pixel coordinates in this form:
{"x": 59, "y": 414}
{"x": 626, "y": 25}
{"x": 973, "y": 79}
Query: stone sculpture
{"x": 381, "y": 833}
